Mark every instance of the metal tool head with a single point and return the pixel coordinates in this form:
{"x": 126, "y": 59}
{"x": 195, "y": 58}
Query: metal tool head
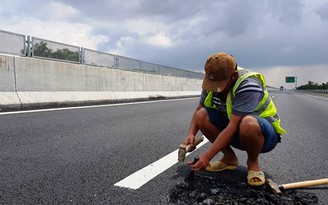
{"x": 182, "y": 152}
{"x": 273, "y": 187}
{"x": 190, "y": 177}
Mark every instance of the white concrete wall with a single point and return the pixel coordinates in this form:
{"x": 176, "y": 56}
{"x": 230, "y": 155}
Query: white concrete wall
{"x": 7, "y": 74}
{"x": 8, "y": 95}
{"x": 28, "y": 82}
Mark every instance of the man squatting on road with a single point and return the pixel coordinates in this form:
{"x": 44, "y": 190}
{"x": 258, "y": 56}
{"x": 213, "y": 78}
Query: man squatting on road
{"x": 235, "y": 110}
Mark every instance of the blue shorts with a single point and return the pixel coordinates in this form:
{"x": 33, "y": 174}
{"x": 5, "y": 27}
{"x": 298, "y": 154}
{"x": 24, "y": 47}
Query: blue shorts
{"x": 271, "y": 137}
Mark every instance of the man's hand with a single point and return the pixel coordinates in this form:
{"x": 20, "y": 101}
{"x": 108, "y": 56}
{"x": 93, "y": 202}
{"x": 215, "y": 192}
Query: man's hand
{"x": 202, "y": 163}
{"x": 190, "y": 140}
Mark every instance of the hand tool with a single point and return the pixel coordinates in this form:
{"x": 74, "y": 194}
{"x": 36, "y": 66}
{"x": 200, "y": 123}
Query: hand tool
{"x": 276, "y": 189}
{"x": 183, "y": 149}
{"x": 192, "y": 173}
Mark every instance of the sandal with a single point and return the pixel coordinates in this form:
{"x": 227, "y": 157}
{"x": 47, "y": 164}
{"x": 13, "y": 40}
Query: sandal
{"x": 219, "y": 166}
{"x": 255, "y": 174}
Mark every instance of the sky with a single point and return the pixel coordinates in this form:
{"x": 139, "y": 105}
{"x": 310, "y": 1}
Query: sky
{"x": 278, "y": 38}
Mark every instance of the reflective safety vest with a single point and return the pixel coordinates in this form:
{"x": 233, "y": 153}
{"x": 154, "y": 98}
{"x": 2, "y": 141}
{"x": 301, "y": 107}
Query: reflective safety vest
{"x": 265, "y": 109}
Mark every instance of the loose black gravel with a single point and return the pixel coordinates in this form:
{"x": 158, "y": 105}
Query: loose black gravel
{"x": 209, "y": 190}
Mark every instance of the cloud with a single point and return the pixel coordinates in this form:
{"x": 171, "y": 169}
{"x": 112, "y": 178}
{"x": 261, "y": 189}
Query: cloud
{"x": 288, "y": 12}
{"x": 55, "y": 26}
{"x": 159, "y": 39}
{"x": 260, "y": 34}
{"x": 61, "y": 12}
{"x": 79, "y": 35}
{"x": 275, "y": 76}
{"x": 322, "y": 12}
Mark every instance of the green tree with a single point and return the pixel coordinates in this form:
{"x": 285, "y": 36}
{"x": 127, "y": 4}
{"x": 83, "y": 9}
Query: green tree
{"x": 41, "y": 50}
{"x": 66, "y": 54}
{"x": 313, "y": 86}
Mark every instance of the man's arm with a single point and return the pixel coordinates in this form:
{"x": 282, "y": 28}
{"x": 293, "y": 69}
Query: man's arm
{"x": 221, "y": 142}
{"x": 193, "y": 125}
{"x": 193, "y": 128}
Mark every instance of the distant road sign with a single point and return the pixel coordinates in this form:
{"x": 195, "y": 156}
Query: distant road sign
{"x": 290, "y": 79}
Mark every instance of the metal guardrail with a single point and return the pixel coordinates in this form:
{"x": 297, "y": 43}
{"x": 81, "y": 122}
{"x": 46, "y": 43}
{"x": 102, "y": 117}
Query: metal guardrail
{"x": 42, "y": 48}
{"x": 18, "y": 44}
{"x": 322, "y": 92}
{"x": 13, "y": 43}
{"x": 96, "y": 58}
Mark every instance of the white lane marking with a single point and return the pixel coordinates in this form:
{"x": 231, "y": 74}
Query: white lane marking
{"x": 92, "y": 106}
{"x": 141, "y": 177}
{"x": 318, "y": 97}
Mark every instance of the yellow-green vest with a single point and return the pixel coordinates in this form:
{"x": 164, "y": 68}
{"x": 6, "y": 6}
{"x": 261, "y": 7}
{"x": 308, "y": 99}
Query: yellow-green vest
{"x": 265, "y": 109}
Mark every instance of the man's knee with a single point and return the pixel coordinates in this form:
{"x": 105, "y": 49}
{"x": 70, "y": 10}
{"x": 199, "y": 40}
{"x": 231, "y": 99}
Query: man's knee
{"x": 201, "y": 116}
{"x": 250, "y": 134}
{"x": 249, "y": 126}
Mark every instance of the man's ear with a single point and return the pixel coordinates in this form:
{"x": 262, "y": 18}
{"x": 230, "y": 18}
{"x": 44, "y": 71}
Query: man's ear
{"x": 234, "y": 75}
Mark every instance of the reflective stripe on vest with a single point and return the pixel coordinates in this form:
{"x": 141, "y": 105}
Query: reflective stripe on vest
{"x": 208, "y": 100}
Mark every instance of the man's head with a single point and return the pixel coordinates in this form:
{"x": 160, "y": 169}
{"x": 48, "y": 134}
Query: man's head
{"x": 219, "y": 68}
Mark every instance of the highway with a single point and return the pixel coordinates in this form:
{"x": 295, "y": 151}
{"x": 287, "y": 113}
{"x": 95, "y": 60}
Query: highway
{"x": 78, "y": 155}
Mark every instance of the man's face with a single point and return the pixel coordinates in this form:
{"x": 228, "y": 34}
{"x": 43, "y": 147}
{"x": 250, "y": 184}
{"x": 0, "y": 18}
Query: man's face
{"x": 231, "y": 82}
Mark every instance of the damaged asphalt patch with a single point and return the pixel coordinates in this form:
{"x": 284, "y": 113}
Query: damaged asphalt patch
{"x": 230, "y": 187}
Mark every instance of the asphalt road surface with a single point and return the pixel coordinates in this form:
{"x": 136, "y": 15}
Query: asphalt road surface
{"x": 79, "y": 155}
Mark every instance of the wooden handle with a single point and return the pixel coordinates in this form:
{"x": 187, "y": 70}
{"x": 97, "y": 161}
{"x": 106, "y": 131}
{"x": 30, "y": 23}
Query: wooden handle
{"x": 305, "y": 184}
{"x": 196, "y": 142}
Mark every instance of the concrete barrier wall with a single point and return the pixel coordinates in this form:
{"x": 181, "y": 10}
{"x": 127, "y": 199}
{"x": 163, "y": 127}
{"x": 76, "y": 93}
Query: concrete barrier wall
{"x": 28, "y": 82}
{"x": 7, "y": 74}
{"x": 8, "y": 95}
